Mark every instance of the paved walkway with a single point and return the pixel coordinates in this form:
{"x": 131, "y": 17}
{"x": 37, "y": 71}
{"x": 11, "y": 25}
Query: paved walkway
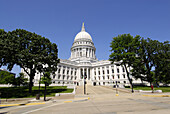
{"x": 98, "y": 100}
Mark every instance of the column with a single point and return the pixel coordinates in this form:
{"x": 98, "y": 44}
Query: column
{"x": 88, "y": 52}
{"x": 79, "y": 73}
{"x": 83, "y": 71}
{"x": 78, "y": 52}
{"x": 87, "y": 72}
{"x": 74, "y": 54}
{"x": 93, "y": 54}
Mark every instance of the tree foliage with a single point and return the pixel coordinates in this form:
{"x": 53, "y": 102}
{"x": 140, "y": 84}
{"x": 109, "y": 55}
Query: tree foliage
{"x": 46, "y": 79}
{"x": 162, "y": 63}
{"x": 7, "y": 78}
{"x": 152, "y": 63}
{"x": 32, "y": 52}
{"x": 144, "y": 63}
{"x": 21, "y": 80}
{"x": 123, "y": 48}
{"x": 149, "y": 59}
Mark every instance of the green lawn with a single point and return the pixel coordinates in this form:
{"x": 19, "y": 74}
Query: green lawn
{"x": 22, "y": 92}
{"x": 164, "y": 89}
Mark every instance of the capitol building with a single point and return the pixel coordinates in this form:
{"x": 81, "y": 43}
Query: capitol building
{"x": 83, "y": 65}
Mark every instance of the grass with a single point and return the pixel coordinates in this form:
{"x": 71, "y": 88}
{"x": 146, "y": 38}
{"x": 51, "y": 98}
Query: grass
{"x": 23, "y": 92}
{"x": 164, "y": 89}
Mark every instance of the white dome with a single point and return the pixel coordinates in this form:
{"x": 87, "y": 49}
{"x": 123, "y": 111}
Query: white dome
{"x": 83, "y": 34}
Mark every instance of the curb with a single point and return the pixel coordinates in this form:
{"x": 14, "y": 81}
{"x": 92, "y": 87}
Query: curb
{"x": 5, "y": 105}
{"x": 77, "y": 100}
{"x": 156, "y": 95}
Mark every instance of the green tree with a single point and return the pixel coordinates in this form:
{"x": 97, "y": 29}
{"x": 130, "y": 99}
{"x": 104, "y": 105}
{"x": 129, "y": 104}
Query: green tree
{"x": 30, "y": 51}
{"x": 144, "y": 63}
{"x": 46, "y": 79}
{"x": 151, "y": 63}
{"x": 36, "y": 54}
{"x": 162, "y": 62}
{"x": 7, "y": 78}
{"x": 123, "y": 48}
{"x": 21, "y": 80}
{"x": 3, "y": 47}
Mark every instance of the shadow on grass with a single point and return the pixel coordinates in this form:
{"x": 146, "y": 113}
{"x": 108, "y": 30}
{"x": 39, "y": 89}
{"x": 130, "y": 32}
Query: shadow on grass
{"x": 23, "y": 92}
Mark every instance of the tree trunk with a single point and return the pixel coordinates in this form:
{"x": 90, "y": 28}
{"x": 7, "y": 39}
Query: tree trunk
{"x": 130, "y": 80}
{"x": 45, "y": 92}
{"x": 32, "y": 74}
{"x": 39, "y": 83}
{"x": 30, "y": 84}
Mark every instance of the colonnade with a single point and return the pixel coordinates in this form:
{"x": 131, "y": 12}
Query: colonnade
{"x": 85, "y": 72}
{"x": 83, "y": 52}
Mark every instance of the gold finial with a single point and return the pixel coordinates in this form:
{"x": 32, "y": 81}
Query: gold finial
{"x": 83, "y": 28}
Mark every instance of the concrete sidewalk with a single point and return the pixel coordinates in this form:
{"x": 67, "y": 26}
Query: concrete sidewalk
{"x": 33, "y": 101}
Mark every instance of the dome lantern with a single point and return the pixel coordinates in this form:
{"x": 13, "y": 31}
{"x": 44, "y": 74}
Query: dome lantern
{"x": 83, "y": 35}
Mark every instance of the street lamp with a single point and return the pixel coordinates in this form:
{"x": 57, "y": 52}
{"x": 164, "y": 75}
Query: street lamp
{"x": 84, "y": 77}
{"x": 0, "y": 97}
{"x": 116, "y": 89}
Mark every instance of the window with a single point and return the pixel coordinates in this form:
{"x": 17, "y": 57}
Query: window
{"x": 107, "y": 71}
{"x": 124, "y": 82}
{"x": 67, "y": 71}
{"x": 103, "y": 71}
{"x": 99, "y": 77}
{"x": 103, "y": 78}
{"x": 58, "y": 70}
{"x": 99, "y": 72}
{"x": 59, "y": 76}
{"x": 112, "y": 70}
{"x": 71, "y": 72}
{"x": 63, "y": 77}
{"x": 108, "y": 77}
{"x": 113, "y": 77}
{"x": 123, "y": 75}
{"x": 123, "y": 69}
{"x": 94, "y": 72}
{"x": 118, "y": 76}
{"x": 63, "y": 71}
{"x": 81, "y": 72}
{"x": 117, "y": 70}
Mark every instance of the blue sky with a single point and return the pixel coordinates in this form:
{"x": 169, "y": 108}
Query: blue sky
{"x": 61, "y": 20}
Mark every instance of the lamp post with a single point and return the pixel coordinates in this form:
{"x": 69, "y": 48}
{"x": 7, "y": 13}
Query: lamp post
{"x": 0, "y": 97}
{"x": 116, "y": 89}
{"x": 84, "y": 77}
